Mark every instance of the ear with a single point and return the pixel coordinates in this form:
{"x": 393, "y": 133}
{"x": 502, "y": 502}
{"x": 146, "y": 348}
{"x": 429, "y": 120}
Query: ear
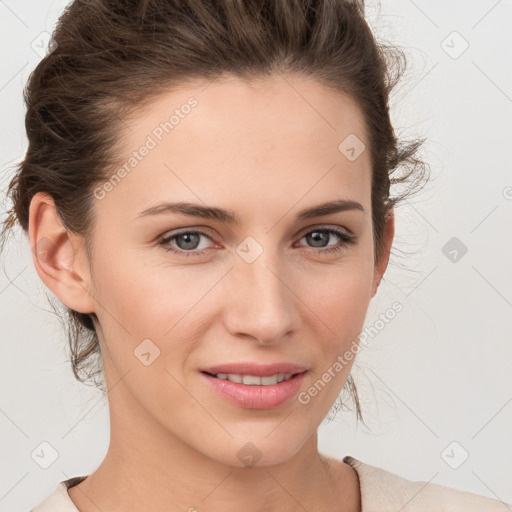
{"x": 59, "y": 256}
{"x": 382, "y": 263}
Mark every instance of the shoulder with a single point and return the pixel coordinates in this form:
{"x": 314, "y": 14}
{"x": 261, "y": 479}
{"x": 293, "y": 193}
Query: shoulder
{"x": 383, "y": 491}
{"x": 59, "y": 500}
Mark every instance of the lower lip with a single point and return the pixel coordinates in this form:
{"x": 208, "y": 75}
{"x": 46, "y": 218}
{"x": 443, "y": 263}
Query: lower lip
{"x": 256, "y": 397}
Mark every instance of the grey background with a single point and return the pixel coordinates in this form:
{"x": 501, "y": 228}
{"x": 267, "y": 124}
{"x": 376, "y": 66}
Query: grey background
{"x": 435, "y": 381}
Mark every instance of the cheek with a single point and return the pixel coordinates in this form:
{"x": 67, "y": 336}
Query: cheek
{"x": 169, "y": 305}
{"x": 148, "y": 296}
{"x": 339, "y": 310}
{"x": 339, "y": 295}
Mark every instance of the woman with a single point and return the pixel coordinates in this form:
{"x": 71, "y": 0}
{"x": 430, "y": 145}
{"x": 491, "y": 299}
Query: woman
{"x": 207, "y": 189}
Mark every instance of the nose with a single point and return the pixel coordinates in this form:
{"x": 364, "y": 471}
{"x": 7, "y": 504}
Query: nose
{"x": 262, "y": 305}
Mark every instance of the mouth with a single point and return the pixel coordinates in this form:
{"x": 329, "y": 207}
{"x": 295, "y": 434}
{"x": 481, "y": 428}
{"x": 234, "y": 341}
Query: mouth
{"x": 253, "y": 386}
{"x": 253, "y": 380}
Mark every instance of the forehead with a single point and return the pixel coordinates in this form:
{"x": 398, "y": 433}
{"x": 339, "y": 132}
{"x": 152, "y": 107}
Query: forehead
{"x": 227, "y": 139}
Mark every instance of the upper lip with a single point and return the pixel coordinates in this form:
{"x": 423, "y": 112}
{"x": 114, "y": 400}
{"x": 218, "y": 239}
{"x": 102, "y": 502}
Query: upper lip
{"x": 260, "y": 370}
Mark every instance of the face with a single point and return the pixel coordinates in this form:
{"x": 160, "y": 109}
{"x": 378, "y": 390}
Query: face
{"x": 254, "y": 287}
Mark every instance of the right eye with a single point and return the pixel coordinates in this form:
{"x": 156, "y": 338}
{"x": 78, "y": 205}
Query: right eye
{"x": 187, "y": 242}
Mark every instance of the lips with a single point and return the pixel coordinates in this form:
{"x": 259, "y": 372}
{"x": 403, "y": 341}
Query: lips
{"x": 255, "y": 386}
{"x": 259, "y": 370}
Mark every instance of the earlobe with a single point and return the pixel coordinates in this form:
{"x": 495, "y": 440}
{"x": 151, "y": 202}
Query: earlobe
{"x": 382, "y": 264}
{"x": 57, "y": 256}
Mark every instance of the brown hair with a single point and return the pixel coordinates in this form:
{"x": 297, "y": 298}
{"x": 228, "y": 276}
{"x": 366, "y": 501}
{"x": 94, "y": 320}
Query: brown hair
{"x": 112, "y": 57}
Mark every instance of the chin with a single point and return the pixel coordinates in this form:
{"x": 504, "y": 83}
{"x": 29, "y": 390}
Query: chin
{"x": 262, "y": 449}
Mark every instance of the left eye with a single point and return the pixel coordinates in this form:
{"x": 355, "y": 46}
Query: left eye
{"x": 313, "y": 236}
{"x": 188, "y": 241}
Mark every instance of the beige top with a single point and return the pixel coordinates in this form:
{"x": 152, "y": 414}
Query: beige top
{"x": 381, "y": 491}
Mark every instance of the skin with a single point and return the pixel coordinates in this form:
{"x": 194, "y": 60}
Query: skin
{"x": 265, "y": 152}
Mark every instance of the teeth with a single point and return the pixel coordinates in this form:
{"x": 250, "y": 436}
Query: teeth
{"x": 254, "y": 380}
{"x": 250, "y": 380}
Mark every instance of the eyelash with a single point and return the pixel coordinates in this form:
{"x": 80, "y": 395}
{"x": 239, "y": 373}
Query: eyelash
{"x": 347, "y": 239}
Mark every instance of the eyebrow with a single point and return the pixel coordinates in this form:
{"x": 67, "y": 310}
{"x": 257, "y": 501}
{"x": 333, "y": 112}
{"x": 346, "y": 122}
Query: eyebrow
{"x": 228, "y": 217}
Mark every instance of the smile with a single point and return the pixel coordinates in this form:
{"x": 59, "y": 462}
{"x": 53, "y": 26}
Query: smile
{"x": 254, "y": 380}
{"x": 255, "y": 391}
